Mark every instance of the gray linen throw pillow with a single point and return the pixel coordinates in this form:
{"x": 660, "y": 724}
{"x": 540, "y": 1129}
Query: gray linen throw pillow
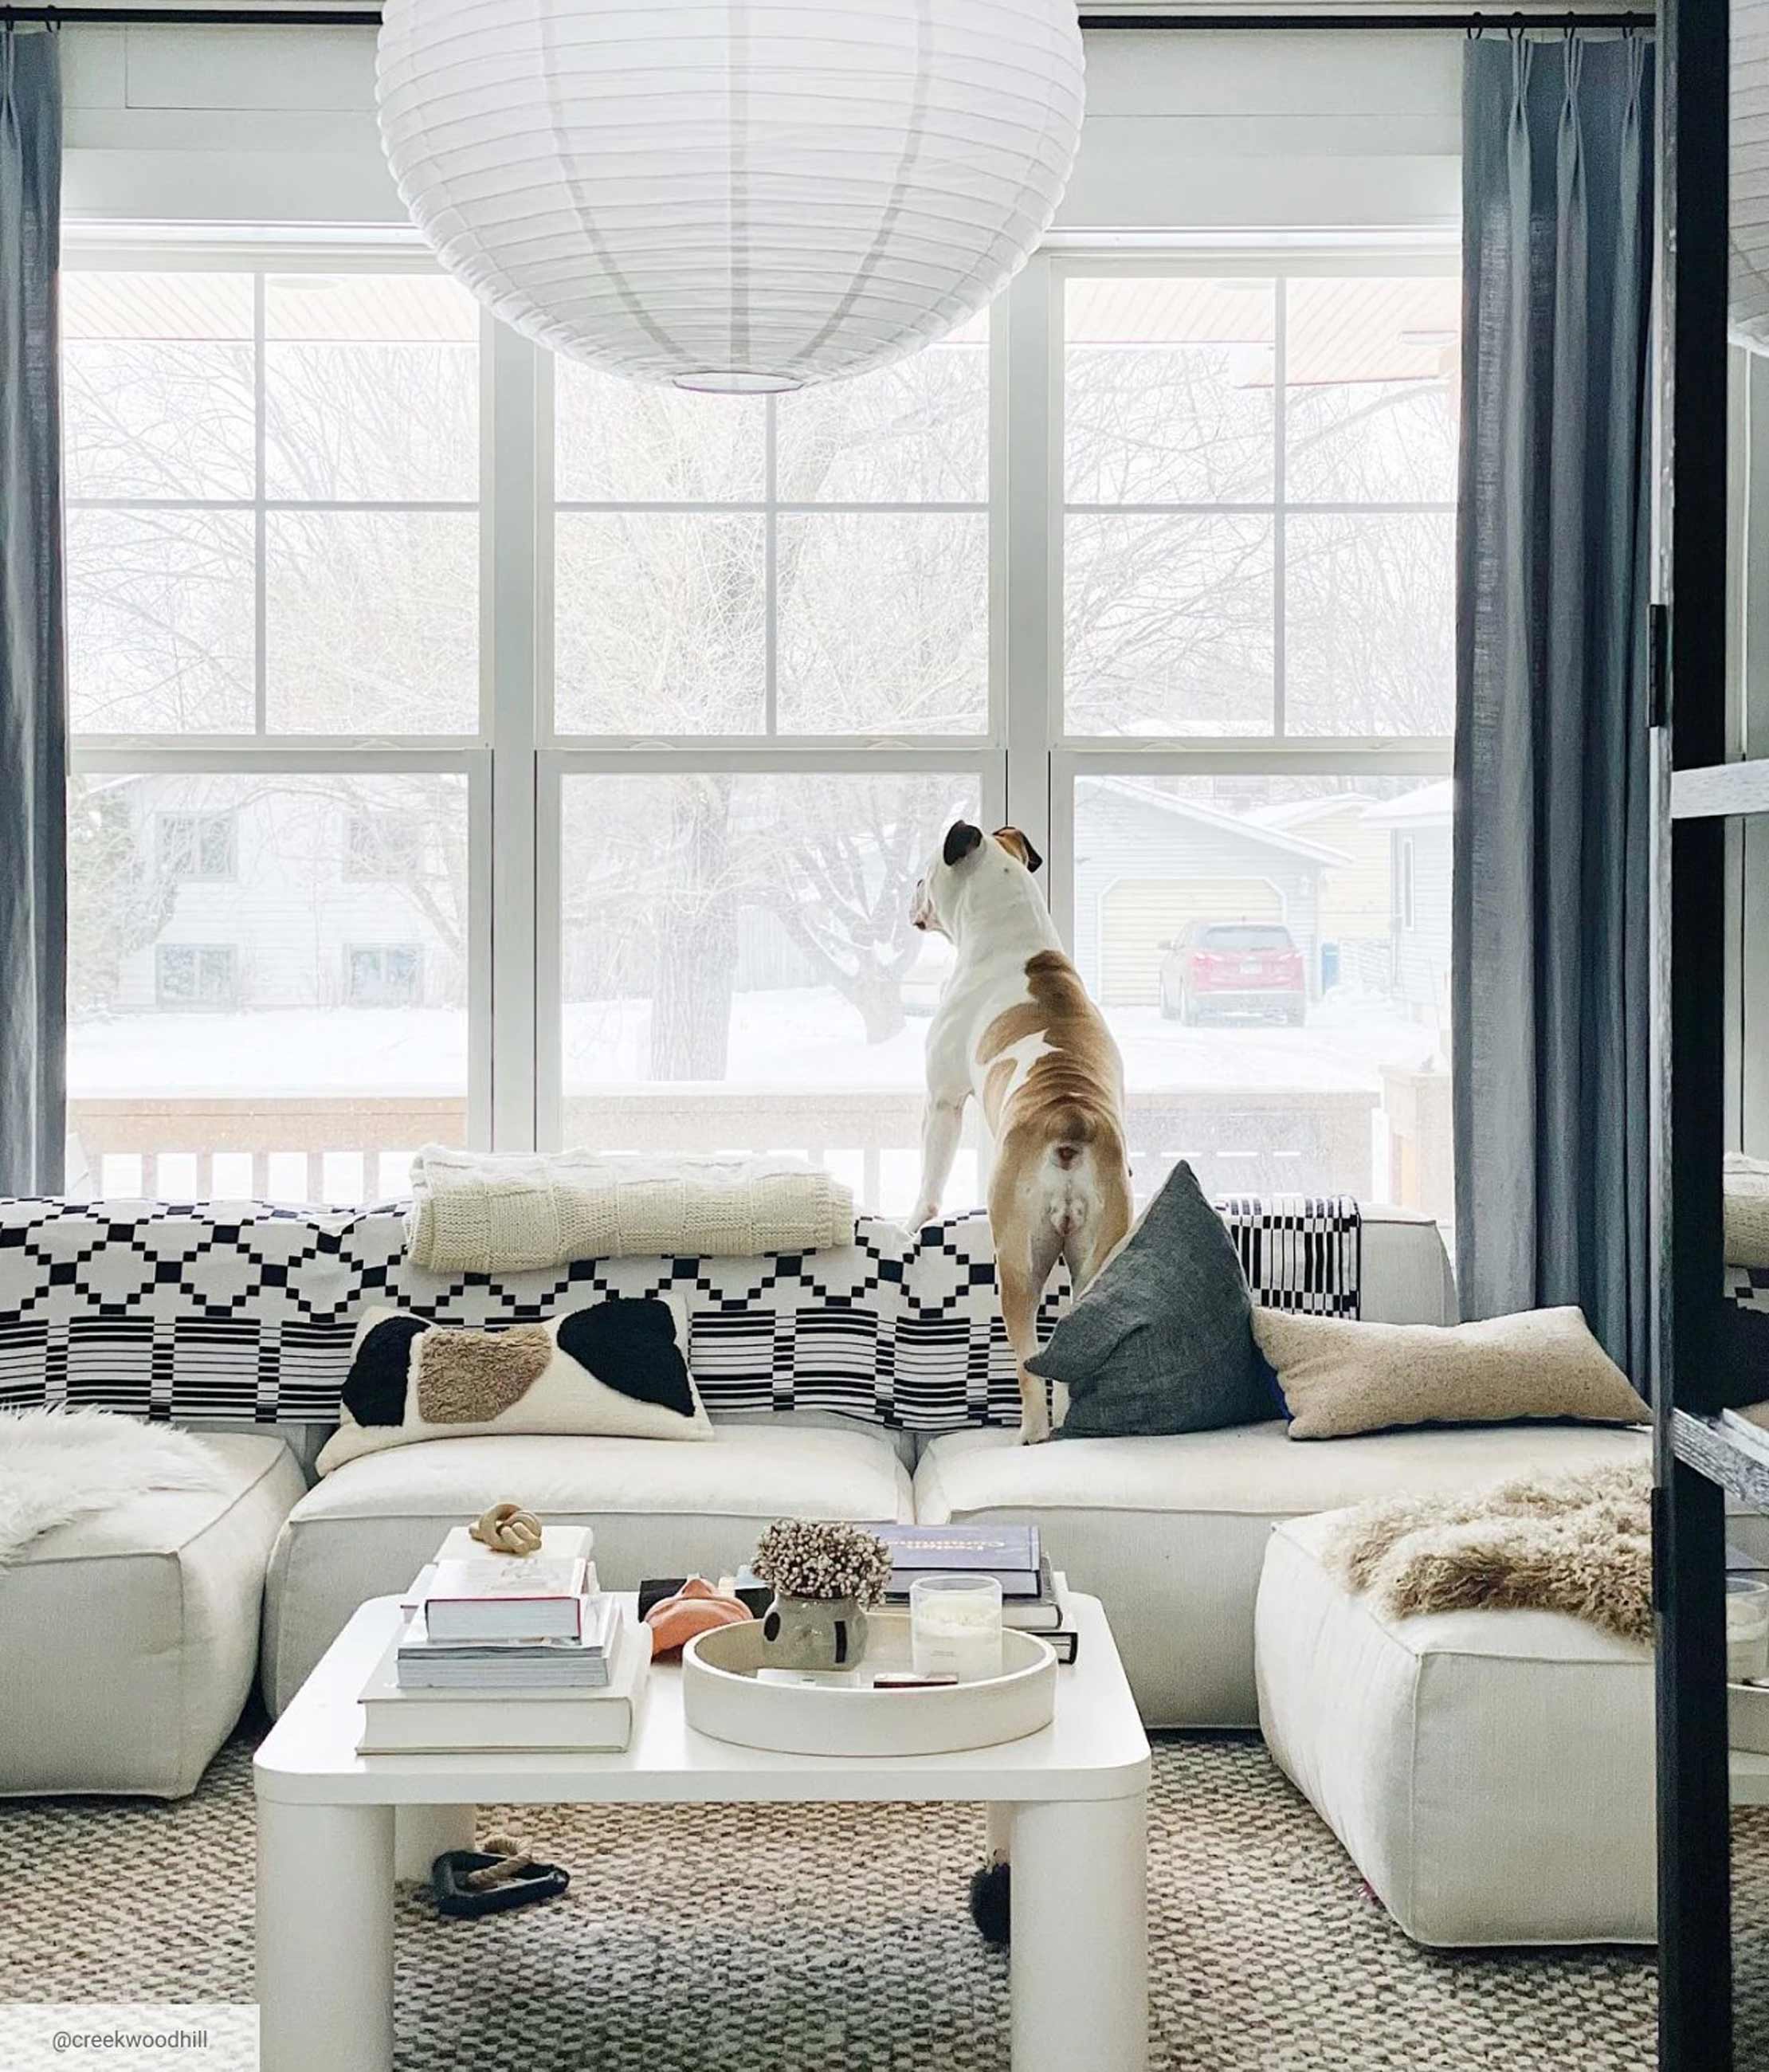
{"x": 1162, "y": 1340}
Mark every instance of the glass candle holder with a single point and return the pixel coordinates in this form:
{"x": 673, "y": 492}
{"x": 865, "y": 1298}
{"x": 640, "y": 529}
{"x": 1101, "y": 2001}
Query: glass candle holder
{"x": 1747, "y": 1630}
{"x": 955, "y": 1626}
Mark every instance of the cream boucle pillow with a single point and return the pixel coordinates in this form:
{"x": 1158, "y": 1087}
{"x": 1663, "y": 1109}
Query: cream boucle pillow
{"x": 1341, "y": 1377}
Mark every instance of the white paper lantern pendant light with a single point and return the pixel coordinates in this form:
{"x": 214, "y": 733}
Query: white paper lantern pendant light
{"x": 738, "y": 195}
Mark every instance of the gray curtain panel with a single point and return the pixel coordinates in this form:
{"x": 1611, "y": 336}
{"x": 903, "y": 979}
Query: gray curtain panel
{"x": 1549, "y": 959}
{"x": 33, "y": 674}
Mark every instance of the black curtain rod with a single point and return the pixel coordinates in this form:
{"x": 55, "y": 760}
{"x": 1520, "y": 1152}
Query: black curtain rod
{"x": 369, "y": 18}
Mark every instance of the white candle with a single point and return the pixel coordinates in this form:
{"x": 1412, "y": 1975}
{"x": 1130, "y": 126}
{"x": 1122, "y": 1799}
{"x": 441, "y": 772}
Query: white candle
{"x": 955, "y": 1626}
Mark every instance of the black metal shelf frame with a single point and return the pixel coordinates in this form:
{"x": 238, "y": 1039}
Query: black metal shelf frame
{"x": 1694, "y": 789}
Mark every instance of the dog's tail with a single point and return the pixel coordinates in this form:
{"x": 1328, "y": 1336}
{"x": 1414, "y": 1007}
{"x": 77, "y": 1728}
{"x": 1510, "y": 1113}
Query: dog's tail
{"x": 1075, "y": 1129}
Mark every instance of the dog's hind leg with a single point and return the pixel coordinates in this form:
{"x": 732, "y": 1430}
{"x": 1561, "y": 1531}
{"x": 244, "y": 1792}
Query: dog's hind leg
{"x": 1021, "y": 1281}
{"x": 1088, "y": 1249}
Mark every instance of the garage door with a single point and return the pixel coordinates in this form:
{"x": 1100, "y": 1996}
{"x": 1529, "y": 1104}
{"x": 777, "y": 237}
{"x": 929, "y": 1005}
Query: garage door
{"x": 1138, "y": 915}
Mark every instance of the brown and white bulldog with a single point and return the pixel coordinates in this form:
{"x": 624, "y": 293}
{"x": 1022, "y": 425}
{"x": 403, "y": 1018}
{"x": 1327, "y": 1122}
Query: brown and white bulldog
{"x": 1015, "y": 1029}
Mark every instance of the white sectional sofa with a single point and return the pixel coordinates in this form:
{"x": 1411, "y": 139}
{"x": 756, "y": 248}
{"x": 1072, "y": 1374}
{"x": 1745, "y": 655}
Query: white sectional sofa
{"x": 1169, "y": 1532}
{"x": 129, "y": 1637}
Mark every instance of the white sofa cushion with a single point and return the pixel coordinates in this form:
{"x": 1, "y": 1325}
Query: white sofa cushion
{"x": 1170, "y": 1533}
{"x": 657, "y": 1510}
{"x": 1490, "y": 1773}
{"x": 130, "y": 1637}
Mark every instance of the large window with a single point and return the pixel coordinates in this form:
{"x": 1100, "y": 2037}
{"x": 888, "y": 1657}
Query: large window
{"x": 1257, "y": 691}
{"x": 476, "y": 748}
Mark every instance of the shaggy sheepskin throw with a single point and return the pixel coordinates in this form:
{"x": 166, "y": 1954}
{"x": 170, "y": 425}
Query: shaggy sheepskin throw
{"x": 1580, "y": 1544}
{"x": 56, "y": 1465}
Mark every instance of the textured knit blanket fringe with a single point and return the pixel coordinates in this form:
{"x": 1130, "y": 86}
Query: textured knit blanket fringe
{"x": 488, "y": 1213}
{"x": 1580, "y": 1544}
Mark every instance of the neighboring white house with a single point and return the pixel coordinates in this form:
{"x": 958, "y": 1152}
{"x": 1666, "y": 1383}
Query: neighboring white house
{"x": 1147, "y": 862}
{"x": 287, "y": 898}
{"x": 1418, "y": 826}
{"x": 1355, "y": 901}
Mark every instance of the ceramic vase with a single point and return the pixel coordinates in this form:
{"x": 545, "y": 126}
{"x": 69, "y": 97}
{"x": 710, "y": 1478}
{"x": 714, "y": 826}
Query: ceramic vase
{"x": 814, "y": 1633}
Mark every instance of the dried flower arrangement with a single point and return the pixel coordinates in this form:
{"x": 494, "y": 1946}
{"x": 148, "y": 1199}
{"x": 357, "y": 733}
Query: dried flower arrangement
{"x": 809, "y": 1558}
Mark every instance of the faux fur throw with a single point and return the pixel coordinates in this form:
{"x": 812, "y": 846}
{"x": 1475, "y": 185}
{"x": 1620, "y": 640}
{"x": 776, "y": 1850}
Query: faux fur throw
{"x": 56, "y": 1465}
{"x": 474, "y": 1212}
{"x": 1579, "y": 1544}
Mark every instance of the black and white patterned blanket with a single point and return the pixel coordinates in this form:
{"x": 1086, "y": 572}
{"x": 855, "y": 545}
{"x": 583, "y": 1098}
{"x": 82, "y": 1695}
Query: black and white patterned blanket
{"x": 238, "y": 1310}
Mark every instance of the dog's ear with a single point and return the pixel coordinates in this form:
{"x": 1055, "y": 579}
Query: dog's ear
{"x": 1015, "y": 844}
{"x": 962, "y": 840}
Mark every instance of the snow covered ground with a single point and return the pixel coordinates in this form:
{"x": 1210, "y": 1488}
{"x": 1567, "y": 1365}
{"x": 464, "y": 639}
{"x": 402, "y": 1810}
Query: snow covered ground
{"x": 788, "y": 1039}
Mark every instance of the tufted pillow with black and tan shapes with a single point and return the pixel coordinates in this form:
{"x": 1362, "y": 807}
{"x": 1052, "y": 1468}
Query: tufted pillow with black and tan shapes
{"x": 617, "y": 1370}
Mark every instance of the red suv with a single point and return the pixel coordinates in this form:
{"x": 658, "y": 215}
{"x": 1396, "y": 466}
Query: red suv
{"x": 1218, "y": 968}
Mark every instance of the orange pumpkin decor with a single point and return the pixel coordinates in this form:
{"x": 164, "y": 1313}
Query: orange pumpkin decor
{"x": 695, "y": 1608}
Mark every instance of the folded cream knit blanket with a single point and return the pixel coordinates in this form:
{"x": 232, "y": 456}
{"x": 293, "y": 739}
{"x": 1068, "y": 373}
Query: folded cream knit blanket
{"x": 1580, "y": 1544}
{"x": 479, "y": 1212}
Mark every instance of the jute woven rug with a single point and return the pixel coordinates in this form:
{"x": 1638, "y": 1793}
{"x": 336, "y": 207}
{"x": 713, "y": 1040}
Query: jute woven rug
{"x": 836, "y": 1939}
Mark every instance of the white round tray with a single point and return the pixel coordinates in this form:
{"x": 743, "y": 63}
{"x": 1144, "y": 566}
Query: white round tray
{"x": 721, "y": 1697}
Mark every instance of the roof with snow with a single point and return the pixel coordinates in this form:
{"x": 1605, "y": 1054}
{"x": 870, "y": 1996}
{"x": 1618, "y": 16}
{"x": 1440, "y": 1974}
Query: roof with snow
{"x": 1244, "y": 825}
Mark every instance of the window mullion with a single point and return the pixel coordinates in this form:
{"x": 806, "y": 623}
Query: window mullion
{"x": 1280, "y": 370}
{"x": 260, "y": 664}
{"x": 1032, "y": 494}
{"x": 523, "y": 961}
{"x": 770, "y": 569}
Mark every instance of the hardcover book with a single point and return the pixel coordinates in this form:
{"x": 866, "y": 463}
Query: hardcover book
{"x": 529, "y": 1598}
{"x": 405, "y": 1722}
{"x": 1012, "y": 1554}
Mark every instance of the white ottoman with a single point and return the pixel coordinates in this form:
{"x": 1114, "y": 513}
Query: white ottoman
{"x": 1490, "y": 1773}
{"x": 130, "y": 1637}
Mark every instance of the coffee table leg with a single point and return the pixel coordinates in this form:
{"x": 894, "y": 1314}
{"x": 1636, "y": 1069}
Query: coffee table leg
{"x": 423, "y": 1833}
{"x": 1000, "y": 1846}
{"x": 1080, "y": 1963}
{"x": 325, "y": 1937}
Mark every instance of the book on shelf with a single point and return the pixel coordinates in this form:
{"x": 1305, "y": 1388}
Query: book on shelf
{"x": 402, "y": 1721}
{"x": 1012, "y": 1554}
{"x": 582, "y": 1663}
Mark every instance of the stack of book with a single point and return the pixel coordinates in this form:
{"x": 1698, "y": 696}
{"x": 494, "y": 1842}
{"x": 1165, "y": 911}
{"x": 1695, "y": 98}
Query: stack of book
{"x": 1012, "y": 1554}
{"x": 503, "y": 1653}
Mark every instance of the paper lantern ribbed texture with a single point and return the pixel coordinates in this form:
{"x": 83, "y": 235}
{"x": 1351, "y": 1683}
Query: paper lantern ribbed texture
{"x": 740, "y": 195}
{"x": 1748, "y": 296}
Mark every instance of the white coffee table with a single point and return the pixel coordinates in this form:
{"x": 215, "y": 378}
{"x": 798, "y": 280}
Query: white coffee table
{"x": 1068, "y": 1803}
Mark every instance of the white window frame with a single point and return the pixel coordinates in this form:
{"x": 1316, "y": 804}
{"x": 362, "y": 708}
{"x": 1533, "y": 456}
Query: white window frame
{"x": 559, "y": 755}
{"x": 1025, "y": 768}
{"x": 259, "y": 252}
{"x": 1035, "y": 408}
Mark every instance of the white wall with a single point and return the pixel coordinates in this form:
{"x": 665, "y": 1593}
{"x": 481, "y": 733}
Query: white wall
{"x": 1199, "y": 129}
